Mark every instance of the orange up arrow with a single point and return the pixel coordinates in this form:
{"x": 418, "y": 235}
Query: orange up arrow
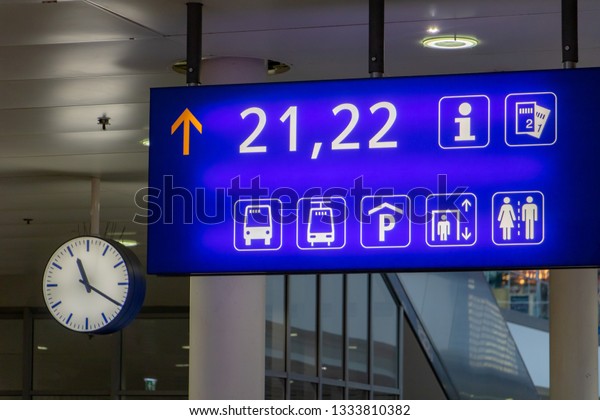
{"x": 186, "y": 118}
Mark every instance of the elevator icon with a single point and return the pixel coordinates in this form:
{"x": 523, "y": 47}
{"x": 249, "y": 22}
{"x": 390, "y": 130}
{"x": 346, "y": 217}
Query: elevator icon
{"x": 464, "y": 122}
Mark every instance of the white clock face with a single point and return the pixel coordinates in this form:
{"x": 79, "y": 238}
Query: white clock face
{"x": 86, "y": 284}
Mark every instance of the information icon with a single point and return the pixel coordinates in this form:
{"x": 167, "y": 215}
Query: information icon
{"x": 530, "y": 119}
{"x": 464, "y": 122}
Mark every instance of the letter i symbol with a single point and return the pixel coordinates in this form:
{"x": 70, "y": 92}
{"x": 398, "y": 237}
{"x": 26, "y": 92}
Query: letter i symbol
{"x": 464, "y": 123}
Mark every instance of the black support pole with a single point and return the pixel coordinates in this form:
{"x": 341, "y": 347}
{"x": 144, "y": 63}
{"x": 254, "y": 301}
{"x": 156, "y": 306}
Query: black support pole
{"x": 376, "y": 24}
{"x": 194, "y": 43}
{"x": 570, "y": 43}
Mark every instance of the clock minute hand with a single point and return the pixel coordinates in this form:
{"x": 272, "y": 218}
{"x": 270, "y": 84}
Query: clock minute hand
{"x": 104, "y": 295}
{"x": 85, "y": 281}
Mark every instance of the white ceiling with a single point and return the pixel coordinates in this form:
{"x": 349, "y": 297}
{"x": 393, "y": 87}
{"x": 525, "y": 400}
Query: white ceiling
{"x": 63, "y": 64}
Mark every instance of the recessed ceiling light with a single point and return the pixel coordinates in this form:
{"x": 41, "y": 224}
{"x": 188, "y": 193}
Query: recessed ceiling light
{"x": 454, "y": 42}
{"x": 433, "y": 29}
{"x": 145, "y": 142}
{"x": 42, "y": 348}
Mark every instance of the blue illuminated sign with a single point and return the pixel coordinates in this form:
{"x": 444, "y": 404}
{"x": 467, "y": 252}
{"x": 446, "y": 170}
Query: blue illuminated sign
{"x": 484, "y": 171}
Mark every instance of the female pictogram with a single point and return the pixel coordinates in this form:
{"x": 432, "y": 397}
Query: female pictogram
{"x": 506, "y": 217}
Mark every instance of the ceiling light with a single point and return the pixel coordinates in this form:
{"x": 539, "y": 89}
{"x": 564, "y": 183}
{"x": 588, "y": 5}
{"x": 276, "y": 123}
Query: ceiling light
{"x": 450, "y": 42}
{"x": 145, "y": 142}
{"x": 43, "y": 348}
{"x": 185, "y": 347}
{"x": 433, "y": 29}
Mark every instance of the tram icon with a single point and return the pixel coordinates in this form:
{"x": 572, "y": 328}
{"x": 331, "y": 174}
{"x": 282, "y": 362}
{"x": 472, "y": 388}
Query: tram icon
{"x": 258, "y": 224}
{"x": 320, "y": 223}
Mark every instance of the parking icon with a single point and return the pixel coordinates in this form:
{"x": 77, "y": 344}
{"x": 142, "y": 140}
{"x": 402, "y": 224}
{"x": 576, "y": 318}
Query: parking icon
{"x": 385, "y": 222}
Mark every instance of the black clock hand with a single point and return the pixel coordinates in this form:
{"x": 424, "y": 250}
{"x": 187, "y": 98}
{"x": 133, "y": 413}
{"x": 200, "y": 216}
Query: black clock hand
{"x": 105, "y": 296}
{"x": 84, "y": 280}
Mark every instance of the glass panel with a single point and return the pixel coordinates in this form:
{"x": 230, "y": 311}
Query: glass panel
{"x": 156, "y": 355}
{"x": 11, "y": 354}
{"x": 469, "y": 334}
{"x": 523, "y": 291}
{"x": 274, "y": 388}
{"x": 358, "y": 394}
{"x": 332, "y": 392}
{"x": 275, "y": 324}
{"x": 358, "y": 317}
{"x": 67, "y": 361}
{"x": 385, "y": 335}
{"x": 303, "y": 324}
{"x": 332, "y": 326}
{"x": 303, "y": 390}
{"x": 384, "y": 396}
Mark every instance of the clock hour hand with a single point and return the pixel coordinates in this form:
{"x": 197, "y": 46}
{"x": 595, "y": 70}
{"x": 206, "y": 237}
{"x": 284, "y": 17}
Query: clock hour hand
{"x": 85, "y": 281}
{"x": 104, "y": 295}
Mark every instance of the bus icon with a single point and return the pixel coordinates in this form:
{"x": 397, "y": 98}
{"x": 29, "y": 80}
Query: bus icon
{"x": 320, "y": 224}
{"x": 258, "y": 224}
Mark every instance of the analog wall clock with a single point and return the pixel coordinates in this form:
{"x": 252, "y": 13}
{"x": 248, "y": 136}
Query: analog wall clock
{"x": 93, "y": 285}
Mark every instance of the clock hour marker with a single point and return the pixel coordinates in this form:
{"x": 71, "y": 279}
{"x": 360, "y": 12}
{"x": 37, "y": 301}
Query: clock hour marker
{"x": 123, "y": 283}
{"x": 56, "y": 304}
{"x": 87, "y": 246}
{"x": 57, "y": 266}
{"x": 69, "y": 318}
{"x": 52, "y": 285}
{"x": 118, "y": 264}
{"x": 87, "y": 323}
{"x": 104, "y": 317}
{"x": 105, "y": 249}
{"x": 70, "y": 252}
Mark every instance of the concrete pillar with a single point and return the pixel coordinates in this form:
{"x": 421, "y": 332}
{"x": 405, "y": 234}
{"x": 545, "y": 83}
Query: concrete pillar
{"x": 227, "y": 313}
{"x": 227, "y": 338}
{"x": 95, "y": 207}
{"x": 574, "y": 334}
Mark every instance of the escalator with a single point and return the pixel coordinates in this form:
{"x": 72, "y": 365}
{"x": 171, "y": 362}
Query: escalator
{"x": 456, "y": 342}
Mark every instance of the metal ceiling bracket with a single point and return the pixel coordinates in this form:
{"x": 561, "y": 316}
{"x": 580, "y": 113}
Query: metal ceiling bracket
{"x": 194, "y": 43}
{"x": 376, "y": 38}
{"x": 570, "y": 43}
